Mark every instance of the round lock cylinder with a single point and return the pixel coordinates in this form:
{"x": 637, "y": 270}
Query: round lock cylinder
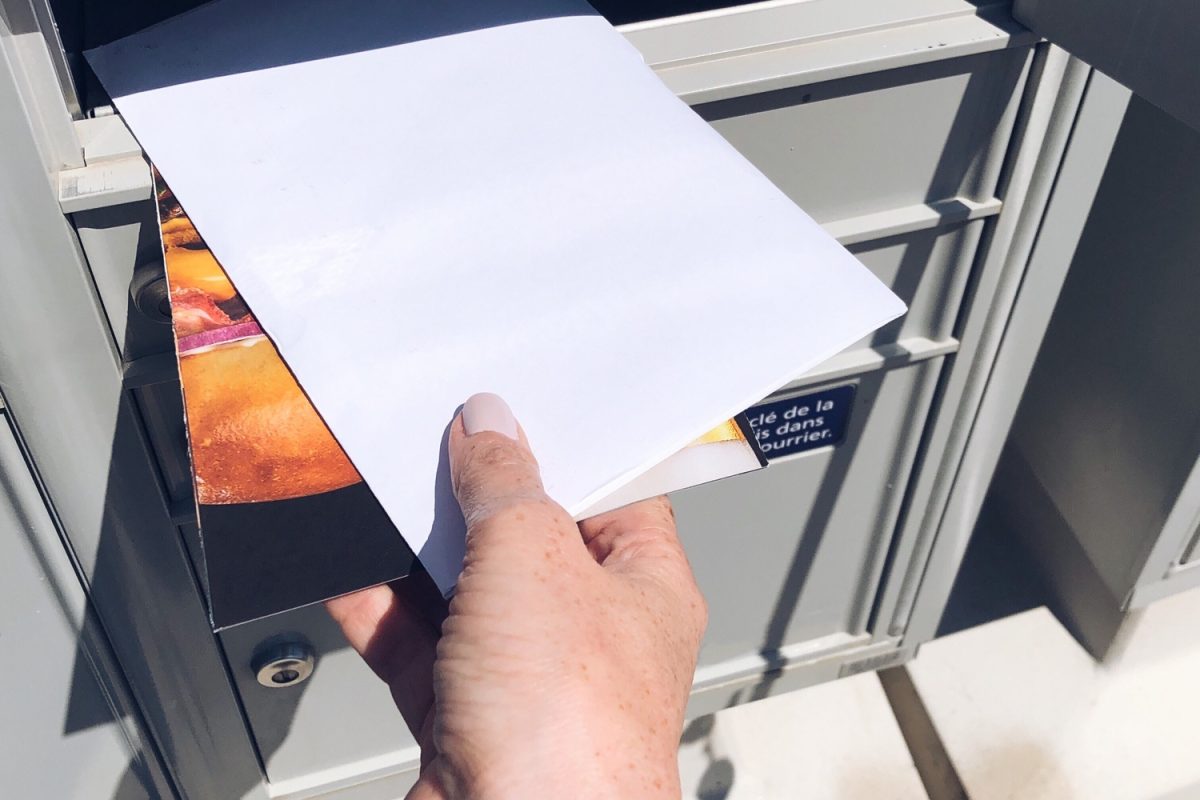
{"x": 151, "y": 294}
{"x": 280, "y": 666}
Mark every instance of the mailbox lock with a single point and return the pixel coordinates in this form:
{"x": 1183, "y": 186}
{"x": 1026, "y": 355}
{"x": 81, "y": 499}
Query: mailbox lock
{"x": 150, "y": 293}
{"x": 285, "y": 664}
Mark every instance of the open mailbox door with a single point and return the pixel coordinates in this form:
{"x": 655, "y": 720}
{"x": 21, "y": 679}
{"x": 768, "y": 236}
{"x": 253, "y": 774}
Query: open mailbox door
{"x": 1150, "y": 46}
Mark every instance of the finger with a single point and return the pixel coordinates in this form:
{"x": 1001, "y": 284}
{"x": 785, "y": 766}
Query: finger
{"x": 634, "y": 533}
{"x": 359, "y": 615}
{"x": 497, "y": 481}
{"x": 407, "y": 610}
{"x": 425, "y": 598}
{"x": 640, "y": 541}
{"x": 490, "y": 461}
{"x": 394, "y": 638}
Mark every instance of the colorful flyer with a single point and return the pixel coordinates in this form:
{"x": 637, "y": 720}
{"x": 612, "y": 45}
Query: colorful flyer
{"x": 284, "y": 517}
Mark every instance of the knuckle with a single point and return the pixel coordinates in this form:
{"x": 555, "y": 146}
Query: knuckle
{"x": 519, "y": 510}
{"x": 492, "y": 453}
{"x": 487, "y": 460}
{"x": 647, "y": 542}
{"x": 515, "y": 512}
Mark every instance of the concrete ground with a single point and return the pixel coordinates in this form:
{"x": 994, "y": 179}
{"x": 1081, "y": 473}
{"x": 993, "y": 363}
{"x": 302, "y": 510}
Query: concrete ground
{"x": 1010, "y": 710}
{"x": 836, "y": 740}
{"x": 1004, "y": 706}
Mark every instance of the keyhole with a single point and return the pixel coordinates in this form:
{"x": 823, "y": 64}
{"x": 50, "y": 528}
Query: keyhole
{"x": 285, "y": 676}
{"x": 283, "y": 665}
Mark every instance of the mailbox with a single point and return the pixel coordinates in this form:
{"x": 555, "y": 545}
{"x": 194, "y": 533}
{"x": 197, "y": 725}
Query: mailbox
{"x": 925, "y": 135}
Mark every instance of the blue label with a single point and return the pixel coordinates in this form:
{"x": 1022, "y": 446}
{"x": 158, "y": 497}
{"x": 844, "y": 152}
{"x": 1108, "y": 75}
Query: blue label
{"x": 806, "y": 422}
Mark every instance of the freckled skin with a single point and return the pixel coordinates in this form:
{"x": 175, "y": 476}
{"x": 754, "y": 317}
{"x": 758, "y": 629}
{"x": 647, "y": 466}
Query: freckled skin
{"x": 564, "y": 681}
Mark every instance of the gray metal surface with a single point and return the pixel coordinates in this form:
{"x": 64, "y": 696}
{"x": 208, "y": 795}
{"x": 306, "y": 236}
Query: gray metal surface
{"x": 64, "y": 733}
{"x": 1149, "y": 46}
{"x": 833, "y": 511}
{"x": 961, "y": 448}
{"x": 764, "y": 47}
{"x": 336, "y": 724}
{"x": 883, "y": 141}
{"x": 31, "y": 56}
{"x": 1192, "y": 552}
{"x": 928, "y": 270}
{"x": 1108, "y": 433}
{"x": 62, "y": 383}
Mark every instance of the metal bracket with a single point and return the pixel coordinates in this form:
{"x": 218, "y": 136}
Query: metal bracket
{"x": 114, "y": 171}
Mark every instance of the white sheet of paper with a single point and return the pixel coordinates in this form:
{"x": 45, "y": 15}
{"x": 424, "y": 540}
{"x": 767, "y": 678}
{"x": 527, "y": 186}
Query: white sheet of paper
{"x": 423, "y": 201}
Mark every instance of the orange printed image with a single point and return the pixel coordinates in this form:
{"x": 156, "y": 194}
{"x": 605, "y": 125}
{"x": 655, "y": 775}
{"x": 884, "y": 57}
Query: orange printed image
{"x": 727, "y": 431}
{"x": 254, "y": 434}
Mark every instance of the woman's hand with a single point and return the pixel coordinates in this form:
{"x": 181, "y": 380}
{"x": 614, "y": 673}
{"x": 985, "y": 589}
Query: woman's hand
{"x": 565, "y": 659}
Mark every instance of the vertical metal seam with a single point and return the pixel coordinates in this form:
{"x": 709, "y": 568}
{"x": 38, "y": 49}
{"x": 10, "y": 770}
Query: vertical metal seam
{"x": 1017, "y": 244}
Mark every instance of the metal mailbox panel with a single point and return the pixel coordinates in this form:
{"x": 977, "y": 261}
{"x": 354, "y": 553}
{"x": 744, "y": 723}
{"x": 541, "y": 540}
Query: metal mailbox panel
{"x": 793, "y": 552}
{"x": 60, "y": 736}
{"x": 928, "y": 270}
{"x": 1191, "y": 553}
{"x": 1109, "y": 423}
{"x": 1148, "y": 45}
{"x": 868, "y": 144}
{"x": 308, "y": 729}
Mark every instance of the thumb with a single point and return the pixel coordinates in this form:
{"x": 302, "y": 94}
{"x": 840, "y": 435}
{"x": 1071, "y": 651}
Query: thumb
{"x": 497, "y": 481}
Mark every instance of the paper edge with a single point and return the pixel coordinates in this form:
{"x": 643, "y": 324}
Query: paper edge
{"x": 630, "y": 475}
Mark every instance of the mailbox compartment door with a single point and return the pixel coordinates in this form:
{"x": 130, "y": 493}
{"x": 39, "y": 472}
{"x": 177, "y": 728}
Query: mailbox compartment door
{"x": 340, "y": 725}
{"x": 794, "y": 553}
{"x": 64, "y": 733}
